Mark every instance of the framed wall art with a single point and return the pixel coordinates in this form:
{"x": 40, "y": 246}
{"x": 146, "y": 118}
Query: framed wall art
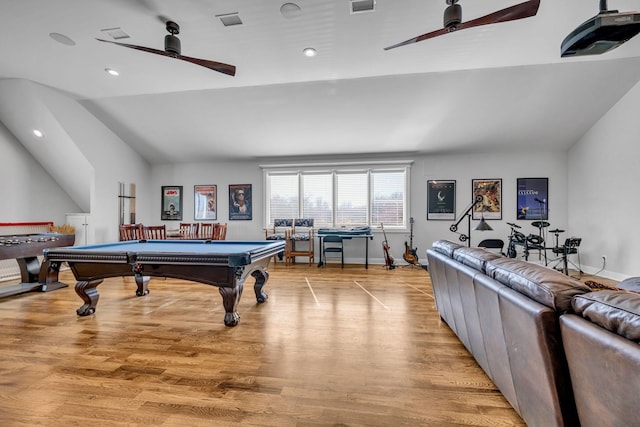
{"x": 491, "y": 192}
{"x": 533, "y": 199}
{"x": 205, "y": 202}
{"x": 240, "y": 202}
{"x": 441, "y": 200}
{"x": 171, "y": 203}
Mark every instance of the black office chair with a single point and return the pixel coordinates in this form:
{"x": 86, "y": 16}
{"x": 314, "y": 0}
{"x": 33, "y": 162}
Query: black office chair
{"x": 492, "y": 244}
{"x": 335, "y": 246}
{"x": 570, "y": 247}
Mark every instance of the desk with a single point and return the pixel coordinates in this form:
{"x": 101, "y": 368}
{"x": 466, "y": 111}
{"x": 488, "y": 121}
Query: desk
{"x": 25, "y": 248}
{"x": 347, "y": 233}
{"x": 225, "y": 264}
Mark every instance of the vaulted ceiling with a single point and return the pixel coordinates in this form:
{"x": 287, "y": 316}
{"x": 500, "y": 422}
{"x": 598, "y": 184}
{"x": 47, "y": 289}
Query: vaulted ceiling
{"x": 496, "y": 87}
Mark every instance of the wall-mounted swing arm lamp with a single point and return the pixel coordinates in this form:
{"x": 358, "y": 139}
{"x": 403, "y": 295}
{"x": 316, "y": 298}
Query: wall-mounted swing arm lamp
{"x": 482, "y": 226}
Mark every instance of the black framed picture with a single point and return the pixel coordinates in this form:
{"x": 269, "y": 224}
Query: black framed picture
{"x": 171, "y": 203}
{"x": 240, "y": 202}
{"x": 533, "y": 199}
{"x": 441, "y": 200}
{"x": 205, "y": 202}
{"x": 491, "y": 192}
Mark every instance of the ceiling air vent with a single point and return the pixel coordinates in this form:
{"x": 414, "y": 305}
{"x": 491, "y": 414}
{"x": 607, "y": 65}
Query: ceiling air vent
{"x": 359, "y": 6}
{"x": 116, "y": 33}
{"x": 230, "y": 19}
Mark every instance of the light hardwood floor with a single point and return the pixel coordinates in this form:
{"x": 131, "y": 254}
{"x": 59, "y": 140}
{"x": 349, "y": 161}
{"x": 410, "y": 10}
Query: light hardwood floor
{"x": 331, "y": 347}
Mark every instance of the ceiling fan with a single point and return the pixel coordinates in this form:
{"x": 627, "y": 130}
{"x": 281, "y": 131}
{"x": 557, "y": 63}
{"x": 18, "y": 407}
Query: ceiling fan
{"x": 172, "y": 50}
{"x": 453, "y": 19}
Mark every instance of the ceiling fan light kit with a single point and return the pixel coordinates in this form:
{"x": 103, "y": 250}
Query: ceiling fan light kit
{"x": 171, "y": 42}
{"x": 452, "y": 14}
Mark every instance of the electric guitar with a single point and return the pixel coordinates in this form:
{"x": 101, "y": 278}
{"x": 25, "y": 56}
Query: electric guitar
{"x": 410, "y": 254}
{"x": 388, "y": 259}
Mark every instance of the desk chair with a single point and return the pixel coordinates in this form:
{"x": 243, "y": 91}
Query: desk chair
{"x": 219, "y": 232}
{"x": 154, "y": 232}
{"x": 492, "y": 244}
{"x": 570, "y": 247}
{"x": 130, "y": 232}
{"x": 335, "y": 246}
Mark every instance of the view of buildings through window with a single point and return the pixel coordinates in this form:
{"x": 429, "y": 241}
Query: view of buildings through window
{"x": 339, "y": 198}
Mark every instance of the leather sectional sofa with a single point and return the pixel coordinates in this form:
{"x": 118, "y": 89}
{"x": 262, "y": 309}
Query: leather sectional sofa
{"x": 557, "y": 350}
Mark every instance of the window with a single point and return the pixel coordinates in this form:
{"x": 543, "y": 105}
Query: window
{"x": 341, "y": 197}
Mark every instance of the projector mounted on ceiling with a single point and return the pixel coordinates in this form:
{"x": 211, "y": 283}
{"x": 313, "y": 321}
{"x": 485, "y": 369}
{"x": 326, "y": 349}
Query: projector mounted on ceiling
{"x": 605, "y": 31}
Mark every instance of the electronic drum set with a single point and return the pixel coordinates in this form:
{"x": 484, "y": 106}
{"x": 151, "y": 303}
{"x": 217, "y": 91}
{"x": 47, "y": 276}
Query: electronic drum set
{"x": 531, "y": 241}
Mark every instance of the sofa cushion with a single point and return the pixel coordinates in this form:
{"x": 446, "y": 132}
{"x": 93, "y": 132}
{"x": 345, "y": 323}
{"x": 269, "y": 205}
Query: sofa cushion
{"x": 630, "y": 284}
{"x": 544, "y": 285}
{"x": 616, "y": 311}
{"x": 475, "y": 258}
{"x": 445, "y": 247}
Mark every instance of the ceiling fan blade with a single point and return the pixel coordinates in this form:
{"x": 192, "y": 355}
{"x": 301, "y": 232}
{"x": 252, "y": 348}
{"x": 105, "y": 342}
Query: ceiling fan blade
{"x": 142, "y": 48}
{"x": 212, "y": 65}
{"x": 426, "y": 36}
{"x": 512, "y": 13}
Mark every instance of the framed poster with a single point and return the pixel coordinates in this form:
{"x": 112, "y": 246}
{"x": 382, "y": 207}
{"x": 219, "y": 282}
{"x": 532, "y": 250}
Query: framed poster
{"x": 204, "y": 202}
{"x": 240, "y": 201}
{"x": 171, "y": 203}
{"x": 533, "y": 198}
{"x": 441, "y": 199}
{"x": 491, "y": 192}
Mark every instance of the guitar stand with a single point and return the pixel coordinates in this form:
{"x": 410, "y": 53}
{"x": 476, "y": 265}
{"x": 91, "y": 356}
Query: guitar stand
{"x": 417, "y": 264}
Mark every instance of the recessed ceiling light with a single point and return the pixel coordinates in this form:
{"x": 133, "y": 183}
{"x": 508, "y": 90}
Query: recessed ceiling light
{"x": 38, "y": 133}
{"x": 309, "y": 51}
{"x": 61, "y": 38}
{"x": 112, "y": 72}
{"x": 290, "y": 10}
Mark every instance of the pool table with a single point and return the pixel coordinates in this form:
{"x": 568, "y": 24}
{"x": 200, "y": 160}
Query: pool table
{"x": 222, "y": 263}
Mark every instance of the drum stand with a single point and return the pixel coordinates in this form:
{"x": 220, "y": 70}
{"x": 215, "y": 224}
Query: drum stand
{"x": 570, "y": 247}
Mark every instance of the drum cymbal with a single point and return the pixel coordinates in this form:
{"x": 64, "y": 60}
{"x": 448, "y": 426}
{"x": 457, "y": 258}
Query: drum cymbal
{"x": 540, "y": 224}
{"x": 556, "y": 231}
{"x": 510, "y": 224}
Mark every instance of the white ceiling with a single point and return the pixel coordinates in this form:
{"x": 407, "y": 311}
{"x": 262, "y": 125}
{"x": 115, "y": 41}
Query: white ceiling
{"x": 501, "y": 86}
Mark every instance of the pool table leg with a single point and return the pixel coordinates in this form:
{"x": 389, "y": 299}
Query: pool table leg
{"x": 143, "y": 284}
{"x": 261, "y": 277}
{"x": 87, "y": 290}
{"x": 230, "y": 300}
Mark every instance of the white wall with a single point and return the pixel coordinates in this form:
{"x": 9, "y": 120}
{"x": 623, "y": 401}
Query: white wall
{"x": 220, "y": 174}
{"x": 28, "y": 191}
{"x": 604, "y": 174}
{"x": 462, "y": 168}
{"x": 104, "y": 159}
{"x": 600, "y": 171}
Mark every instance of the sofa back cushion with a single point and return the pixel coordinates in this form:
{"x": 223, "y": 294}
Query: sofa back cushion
{"x": 618, "y": 312}
{"x": 445, "y": 247}
{"x": 544, "y": 285}
{"x": 475, "y": 258}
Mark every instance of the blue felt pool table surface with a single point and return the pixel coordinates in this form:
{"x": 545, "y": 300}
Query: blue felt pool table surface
{"x": 223, "y": 247}
{"x": 232, "y": 253}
